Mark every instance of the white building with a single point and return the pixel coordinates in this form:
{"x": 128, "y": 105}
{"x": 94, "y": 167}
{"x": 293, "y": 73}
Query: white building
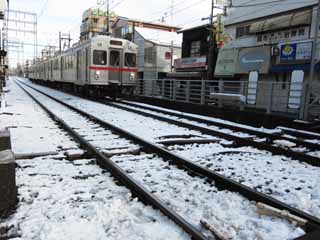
{"x": 157, "y": 51}
{"x": 274, "y": 39}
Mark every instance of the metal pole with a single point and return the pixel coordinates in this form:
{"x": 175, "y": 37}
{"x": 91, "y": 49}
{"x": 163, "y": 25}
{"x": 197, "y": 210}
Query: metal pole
{"x": 171, "y": 57}
{"x": 211, "y": 42}
{"x": 108, "y": 17}
{"x": 59, "y": 42}
{"x": 312, "y": 65}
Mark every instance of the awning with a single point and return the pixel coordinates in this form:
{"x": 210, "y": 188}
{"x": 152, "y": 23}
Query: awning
{"x": 284, "y": 21}
{"x": 293, "y": 67}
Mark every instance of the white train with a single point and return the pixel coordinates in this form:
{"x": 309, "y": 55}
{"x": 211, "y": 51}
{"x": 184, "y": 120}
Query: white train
{"x": 100, "y": 66}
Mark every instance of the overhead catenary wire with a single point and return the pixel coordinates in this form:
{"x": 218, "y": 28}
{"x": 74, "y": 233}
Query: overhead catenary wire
{"x": 183, "y": 9}
{"x": 277, "y": 2}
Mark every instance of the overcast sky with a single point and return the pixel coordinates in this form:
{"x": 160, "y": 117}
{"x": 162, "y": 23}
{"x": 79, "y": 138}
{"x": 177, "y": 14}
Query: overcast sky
{"x": 65, "y": 15}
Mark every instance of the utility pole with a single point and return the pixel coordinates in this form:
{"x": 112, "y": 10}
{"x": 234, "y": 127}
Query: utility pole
{"x": 171, "y": 57}
{"x": 108, "y": 17}
{"x": 211, "y": 43}
{"x": 308, "y": 85}
{"x": 64, "y": 37}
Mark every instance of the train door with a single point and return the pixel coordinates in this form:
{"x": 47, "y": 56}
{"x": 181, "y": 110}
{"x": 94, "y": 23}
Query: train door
{"x": 87, "y": 65}
{"x": 62, "y": 67}
{"x": 116, "y": 65}
{"x": 78, "y": 68}
{"x": 51, "y": 70}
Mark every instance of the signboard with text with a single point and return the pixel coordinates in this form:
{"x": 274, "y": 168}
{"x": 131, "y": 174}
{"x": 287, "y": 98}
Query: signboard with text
{"x": 296, "y": 52}
{"x": 192, "y": 62}
{"x": 254, "y": 59}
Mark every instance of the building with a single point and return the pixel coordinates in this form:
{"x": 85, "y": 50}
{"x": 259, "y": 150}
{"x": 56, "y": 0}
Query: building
{"x": 94, "y": 22}
{"x": 124, "y": 27}
{"x": 159, "y": 45}
{"x": 274, "y": 40}
{"x": 193, "y": 63}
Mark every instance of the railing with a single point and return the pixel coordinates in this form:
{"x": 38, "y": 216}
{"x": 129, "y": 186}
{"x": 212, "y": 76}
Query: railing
{"x": 281, "y": 97}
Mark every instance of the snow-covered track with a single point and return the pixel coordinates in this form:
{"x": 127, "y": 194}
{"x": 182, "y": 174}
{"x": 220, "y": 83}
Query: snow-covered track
{"x": 222, "y": 183}
{"x": 121, "y": 176}
{"x": 267, "y": 142}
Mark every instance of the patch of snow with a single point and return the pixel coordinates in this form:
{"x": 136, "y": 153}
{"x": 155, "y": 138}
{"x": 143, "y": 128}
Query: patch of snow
{"x": 32, "y": 131}
{"x": 64, "y": 200}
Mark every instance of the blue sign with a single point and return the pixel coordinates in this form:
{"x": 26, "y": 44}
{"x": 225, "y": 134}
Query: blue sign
{"x": 296, "y": 51}
{"x": 288, "y": 52}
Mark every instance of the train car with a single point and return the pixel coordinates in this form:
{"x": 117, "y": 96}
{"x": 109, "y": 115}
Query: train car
{"x": 98, "y": 67}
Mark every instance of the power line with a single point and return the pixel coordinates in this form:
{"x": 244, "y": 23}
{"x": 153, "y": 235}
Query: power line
{"x": 183, "y": 9}
{"x": 117, "y": 4}
{"x": 43, "y": 8}
{"x": 264, "y": 3}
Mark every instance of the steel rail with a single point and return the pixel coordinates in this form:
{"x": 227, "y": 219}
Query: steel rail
{"x": 314, "y": 161}
{"x": 221, "y": 182}
{"x": 301, "y": 133}
{"x": 141, "y": 192}
{"x": 310, "y": 145}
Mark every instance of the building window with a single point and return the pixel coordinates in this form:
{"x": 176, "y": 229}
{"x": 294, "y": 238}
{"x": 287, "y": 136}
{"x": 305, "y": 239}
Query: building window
{"x": 293, "y": 33}
{"x": 195, "y": 49}
{"x": 149, "y": 55}
{"x": 301, "y": 32}
{"x": 259, "y": 38}
{"x": 286, "y": 34}
{"x": 242, "y": 31}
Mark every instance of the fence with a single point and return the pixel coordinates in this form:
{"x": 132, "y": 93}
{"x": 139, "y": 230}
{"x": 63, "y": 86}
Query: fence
{"x": 282, "y": 97}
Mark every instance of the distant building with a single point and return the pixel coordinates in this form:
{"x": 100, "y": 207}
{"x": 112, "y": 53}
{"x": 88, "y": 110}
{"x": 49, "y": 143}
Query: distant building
{"x": 94, "y": 22}
{"x": 274, "y": 40}
{"x": 159, "y": 45}
{"x": 3, "y": 6}
{"x": 124, "y": 27}
{"x": 193, "y": 63}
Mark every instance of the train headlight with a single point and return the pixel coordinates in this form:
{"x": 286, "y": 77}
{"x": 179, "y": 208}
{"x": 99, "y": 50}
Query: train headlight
{"x": 97, "y": 75}
{"x": 132, "y": 76}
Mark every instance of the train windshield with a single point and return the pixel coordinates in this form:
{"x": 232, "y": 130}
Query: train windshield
{"x": 99, "y": 57}
{"x": 130, "y": 60}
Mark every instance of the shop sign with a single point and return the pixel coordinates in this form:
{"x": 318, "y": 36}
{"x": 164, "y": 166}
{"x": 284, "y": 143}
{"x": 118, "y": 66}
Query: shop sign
{"x": 254, "y": 59}
{"x": 192, "y": 62}
{"x": 296, "y": 52}
{"x": 227, "y": 62}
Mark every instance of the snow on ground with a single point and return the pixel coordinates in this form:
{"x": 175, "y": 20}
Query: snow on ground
{"x": 289, "y": 181}
{"x": 195, "y": 199}
{"x": 59, "y": 199}
{"x": 78, "y": 200}
{"x": 213, "y": 119}
{"x": 151, "y": 130}
{"x": 192, "y": 197}
{"x": 31, "y": 129}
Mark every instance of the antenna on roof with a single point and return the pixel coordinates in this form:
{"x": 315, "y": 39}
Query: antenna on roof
{"x": 171, "y": 10}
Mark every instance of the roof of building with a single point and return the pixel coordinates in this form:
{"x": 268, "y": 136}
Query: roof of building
{"x": 145, "y": 22}
{"x": 257, "y": 10}
{"x": 160, "y": 37}
{"x": 194, "y": 27}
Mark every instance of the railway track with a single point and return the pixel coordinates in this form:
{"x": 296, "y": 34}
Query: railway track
{"x": 287, "y": 180}
{"x": 258, "y": 139}
{"x": 133, "y": 147}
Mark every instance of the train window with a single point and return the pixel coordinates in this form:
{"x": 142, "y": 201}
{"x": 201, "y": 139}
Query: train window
{"x": 115, "y": 58}
{"x": 99, "y": 57}
{"x": 130, "y": 60}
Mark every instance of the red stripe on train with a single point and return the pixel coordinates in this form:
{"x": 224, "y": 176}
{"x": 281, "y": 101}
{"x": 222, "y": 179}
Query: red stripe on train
{"x": 113, "y": 69}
